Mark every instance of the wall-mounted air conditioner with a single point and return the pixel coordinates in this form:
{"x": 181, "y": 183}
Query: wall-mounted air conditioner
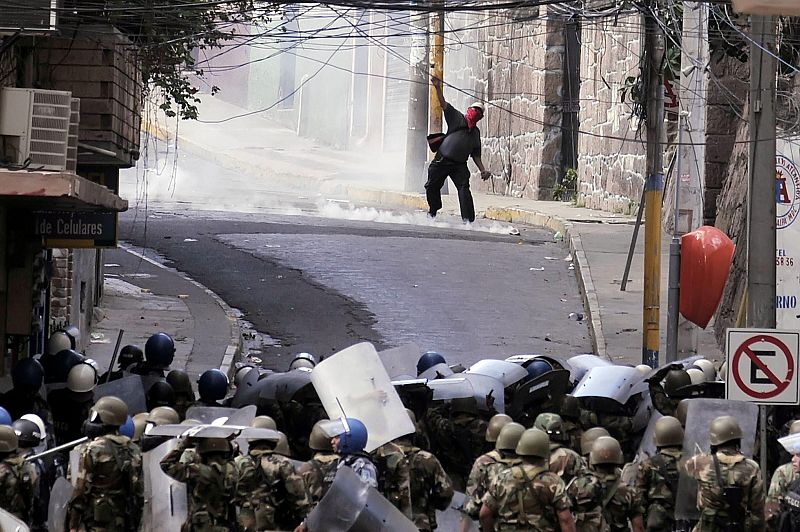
{"x": 72, "y": 137}
{"x": 34, "y": 128}
{"x": 32, "y": 17}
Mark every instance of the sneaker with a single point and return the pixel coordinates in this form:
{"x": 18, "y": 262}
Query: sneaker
{"x": 431, "y": 215}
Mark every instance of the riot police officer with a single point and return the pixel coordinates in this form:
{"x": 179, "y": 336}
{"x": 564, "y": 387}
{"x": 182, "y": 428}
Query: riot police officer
{"x": 321, "y": 463}
{"x": 159, "y": 351}
{"x": 182, "y": 387}
{"x": 70, "y": 406}
{"x": 130, "y": 355}
{"x": 27, "y": 377}
{"x": 212, "y": 387}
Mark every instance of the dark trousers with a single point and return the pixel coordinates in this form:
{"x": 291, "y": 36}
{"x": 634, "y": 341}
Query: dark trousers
{"x": 439, "y": 170}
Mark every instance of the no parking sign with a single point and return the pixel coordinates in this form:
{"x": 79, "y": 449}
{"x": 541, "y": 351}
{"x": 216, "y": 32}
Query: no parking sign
{"x": 763, "y": 366}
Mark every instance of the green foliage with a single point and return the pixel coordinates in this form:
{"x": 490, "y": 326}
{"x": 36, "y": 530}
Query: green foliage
{"x": 565, "y": 191}
{"x": 169, "y": 35}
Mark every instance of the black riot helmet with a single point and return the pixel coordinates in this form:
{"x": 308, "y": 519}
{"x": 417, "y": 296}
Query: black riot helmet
{"x": 129, "y": 355}
{"x": 159, "y": 350}
{"x": 27, "y": 375}
{"x": 160, "y": 394}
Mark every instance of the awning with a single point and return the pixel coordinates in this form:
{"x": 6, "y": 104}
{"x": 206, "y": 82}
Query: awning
{"x": 61, "y": 190}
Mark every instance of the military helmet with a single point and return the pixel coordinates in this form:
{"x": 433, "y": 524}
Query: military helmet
{"x": 282, "y": 446}
{"x": 303, "y": 360}
{"x": 180, "y": 382}
{"x": 139, "y": 424}
{"x": 213, "y": 445}
{"x": 241, "y": 373}
{"x": 57, "y": 370}
{"x": 570, "y": 407}
{"x": 27, "y": 375}
{"x": 644, "y": 369}
{"x": 682, "y": 410}
{"x": 668, "y": 432}
{"x": 27, "y": 432}
{"x": 8, "y": 439}
{"x": 606, "y": 450}
{"x": 534, "y": 442}
{"x": 675, "y": 380}
{"x": 74, "y": 335}
{"x": 318, "y": 441}
{"x": 464, "y": 405}
{"x": 58, "y": 341}
{"x": 707, "y": 368}
{"x": 264, "y": 422}
{"x": 163, "y": 415}
{"x": 552, "y": 424}
{"x": 497, "y": 422}
{"x": 81, "y": 378}
{"x": 723, "y": 371}
{"x": 723, "y": 430}
{"x": 696, "y": 375}
{"x": 109, "y": 410}
{"x": 130, "y": 355}
{"x": 159, "y": 350}
{"x": 509, "y": 436}
{"x": 36, "y": 420}
{"x": 794, "y": 428}
{"x": 428, "y": 360}
{"x": 160, "y": 394}
{"x": 212, "y": 385}
{"x": 588, "y": 438}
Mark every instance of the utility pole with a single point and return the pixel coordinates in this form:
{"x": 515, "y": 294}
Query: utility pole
{"x": 761, "y": 187}
{"x": 418, "y": 91}
{"x": 654, "y": 188}
{"x": 435, "y": 122}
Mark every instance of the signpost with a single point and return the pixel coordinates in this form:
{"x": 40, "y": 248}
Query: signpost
{"x": 73, "y": 229}
{"x": 763, "y": 366}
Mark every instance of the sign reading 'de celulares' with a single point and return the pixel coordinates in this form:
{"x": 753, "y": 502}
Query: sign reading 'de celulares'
{"x": 65, "y": 229}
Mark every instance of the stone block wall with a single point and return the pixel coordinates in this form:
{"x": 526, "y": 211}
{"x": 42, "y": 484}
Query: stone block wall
{"x": 61, "y": 289}
{"x": 74, "y": 289}
{"x": 610, "y": 170}
{"x": 517, "y": 67}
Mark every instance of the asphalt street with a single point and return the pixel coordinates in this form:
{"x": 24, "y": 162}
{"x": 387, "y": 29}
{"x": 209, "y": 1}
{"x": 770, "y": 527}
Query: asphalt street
{"x": 315, "y": 275}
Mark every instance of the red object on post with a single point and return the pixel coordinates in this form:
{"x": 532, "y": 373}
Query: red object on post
{"x": 706, "y": 257}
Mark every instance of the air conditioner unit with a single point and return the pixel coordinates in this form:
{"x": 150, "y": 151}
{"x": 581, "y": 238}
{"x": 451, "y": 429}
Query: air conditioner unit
{"x": 72, "y": 137}
{"x": 30, "y": 17}
{"x": 34, "y": 125}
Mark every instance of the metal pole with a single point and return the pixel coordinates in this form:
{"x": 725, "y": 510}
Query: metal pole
{"x": 761, "y": 190}
{"x": 639, "y": 212}
{"x": 416, "y": 142}
{"x": 58, "y": 449}
{"x": 654, "y": 190}
{"x": 674, "y": 293}
{"x": 114, "y": 355}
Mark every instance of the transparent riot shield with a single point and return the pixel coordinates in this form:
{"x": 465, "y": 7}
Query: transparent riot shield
{"x": 74, "y": 465}
{"x": 351, "y": 505}
{"x": 207, "y": 414}
{"x": 130, "y": 389}
{"x": 547, "y": 387}
{"x": 452, "y": 388}
{"x": 507, "y": 373}
{"x": 581, "y": 364}
{"x": 617, "y": 383}
{"x": 243, "y": 416}
{"x": 401, "y": 362}
{"x": 699, "y": 415}
{"x": 644, "y": 411}
{"x": 555, "y": 361}
{"x": 60, "y": 495}
{"x": 647, "y": 447}
{"x": 437, "y": 371}
{"x": 10, "y": 523}
{"x": 354, "y": 383}
{"x": 165, "y": 504}
{"x": 214, "y": 431}
{"x": 453, "y": 518}
{"x": 489, "y": 392}
{"x": 245, "y": 391}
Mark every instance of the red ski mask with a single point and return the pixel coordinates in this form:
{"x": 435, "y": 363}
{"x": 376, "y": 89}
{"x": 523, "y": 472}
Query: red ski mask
{"x": 473, "y": 115}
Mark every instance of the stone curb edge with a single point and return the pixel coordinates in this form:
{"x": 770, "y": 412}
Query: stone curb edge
{"x": 417, "y": 201}
{"x": 234, "y": 349}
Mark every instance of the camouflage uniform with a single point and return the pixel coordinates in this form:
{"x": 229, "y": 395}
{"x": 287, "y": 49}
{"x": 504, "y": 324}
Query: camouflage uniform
{"x": 623, "y": 506}
{"x": 109, "y": 490}
{"x": 459, "y": 439}
{"x": 431, "y": 488}
{"x": 573, "y": 432}
{"x": 619, "y": 427}
{"x": 661, "y": 401}
{"x": 736, "y": 470}
{"x": 484, "y": 471}
{"x": 783, "y": 477}
{"x": 314, "y": 471}
{"x": 269, "y": 493}
{"x": 586, "y": 495}
{"x": 210, "y": 486}
{"x": 526, "y": 497}
{"x": 18, "y": 482}
{"x": 657, "y": 483}
{"x": 565, "y": 463}
{"x": 394, "y": 480}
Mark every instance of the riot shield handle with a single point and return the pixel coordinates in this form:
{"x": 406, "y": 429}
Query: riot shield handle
{"x": 114, "y": 356}
{"x": 60, "y": 448}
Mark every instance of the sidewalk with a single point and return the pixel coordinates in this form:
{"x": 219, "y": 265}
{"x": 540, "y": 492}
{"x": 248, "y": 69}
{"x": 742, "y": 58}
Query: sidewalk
{"x": 143, "y": 297}
{"x": 598, "y": 240}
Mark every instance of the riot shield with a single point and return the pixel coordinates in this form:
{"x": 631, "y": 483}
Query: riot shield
{"x": 644, "y": 411}
{"x": 581, "y": 364}
{"x": 283, "y": 386}
{"x": 10, "y": 523}
{"x": 791, "y": 443}
{"x": 617, "y": 383}
{"x": 453, "y": 517}
{"x": 207, "y": 414}
{"x": 353, "y": 383}
{"x": 452, "y": 388}
{"x": 699, "y": 415}
{"x": 437, "y": 371}
{"x": 401, "y": 362}
{"x": 130, "y": 389}
{"x": 507, "y": 373}
{"x": 647, "y": 447}
{"x": 488, "y": 391}
{"x": 547, "y": 387}
{"x": 246, "y": 392}
{"x": 74, "y": 465}
{"x": 243, "y": 416}
{"x": 214, "y": 431}
{"x": 165, "y": 505}
{"x": 60, "y": 495}
{"x": 351, "y": 505}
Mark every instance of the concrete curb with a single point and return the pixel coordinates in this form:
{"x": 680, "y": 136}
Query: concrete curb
{"x": 417, "y": 201}
{"x": 236, "y": 342}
